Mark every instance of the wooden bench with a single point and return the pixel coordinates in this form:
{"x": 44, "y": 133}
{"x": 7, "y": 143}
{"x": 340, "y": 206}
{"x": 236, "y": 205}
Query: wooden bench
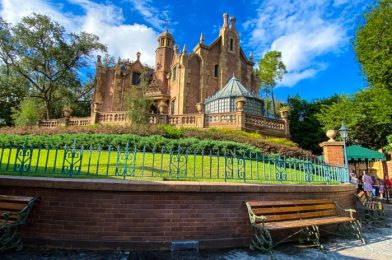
{"x": 369, "y": 211}
{"x": 14, "y": 211}
{"x": 302, "y": 217}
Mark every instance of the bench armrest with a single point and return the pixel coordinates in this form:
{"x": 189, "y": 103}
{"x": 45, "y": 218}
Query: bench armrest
{"x": 253, "y": 217}
{"x": 351, "y": 212}
{"x": 342, "y": 211}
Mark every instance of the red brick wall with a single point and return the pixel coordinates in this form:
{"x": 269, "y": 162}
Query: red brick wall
{"x": 112, "y": 214}
{"x": 333, "y": 153}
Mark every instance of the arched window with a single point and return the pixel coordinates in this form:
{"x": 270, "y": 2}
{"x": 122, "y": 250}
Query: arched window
{"x": 162, "y": 42}
{"x": 231, "y": 44}
{"x": 216, "y": 70}
{"x": 172, "y": 104}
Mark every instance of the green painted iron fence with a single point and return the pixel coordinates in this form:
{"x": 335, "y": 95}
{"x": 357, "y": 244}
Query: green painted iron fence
{"x": 164, "y": 163}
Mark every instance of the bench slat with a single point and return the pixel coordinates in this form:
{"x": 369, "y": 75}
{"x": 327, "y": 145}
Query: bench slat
{"x": 288, "y": 202}
{"x": 277, "y": 209}
{"x": 15, "y": 198}
{"x": 12, "y": 206}
{"x": 321, "y": 213}
{"x": 306, "y": 223}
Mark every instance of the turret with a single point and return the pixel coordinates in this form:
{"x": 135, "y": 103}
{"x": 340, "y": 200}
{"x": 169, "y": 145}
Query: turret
{"x": 163, "y": 59}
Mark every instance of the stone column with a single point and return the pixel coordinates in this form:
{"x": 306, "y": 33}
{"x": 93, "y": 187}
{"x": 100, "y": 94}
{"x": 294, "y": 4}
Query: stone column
{"x": 333, "y": 150}
{"x": 284, "y": 114}
{"x": 94, "y": 113}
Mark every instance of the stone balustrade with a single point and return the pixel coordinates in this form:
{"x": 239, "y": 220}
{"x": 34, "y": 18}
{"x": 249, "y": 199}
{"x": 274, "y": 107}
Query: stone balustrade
{"x": 79, "y": 121}
{"x": 232, "y": 120}
{"x": 113, "y": 117}
{"x": 51, "y": 123}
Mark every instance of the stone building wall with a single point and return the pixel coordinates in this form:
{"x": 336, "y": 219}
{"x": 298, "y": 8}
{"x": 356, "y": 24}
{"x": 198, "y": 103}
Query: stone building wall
{"x": 194, "y": 73}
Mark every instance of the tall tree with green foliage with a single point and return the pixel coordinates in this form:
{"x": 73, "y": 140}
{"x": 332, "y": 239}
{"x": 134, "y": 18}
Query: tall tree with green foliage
{"x": 373, "y": 45}
{"x": 305, "y": 129}
{"x": 138, "y": 104}
{"x": 271, "y": 70}
{"x": 41, "y": 51}
{"x": 367, "y": 114}
{"x": 13, "y": 89}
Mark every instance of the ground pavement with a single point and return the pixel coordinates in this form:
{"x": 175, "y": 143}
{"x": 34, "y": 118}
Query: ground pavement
{"x": 379, "y": 247}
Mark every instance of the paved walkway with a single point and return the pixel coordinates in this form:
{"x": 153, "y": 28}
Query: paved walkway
{"x": 379, "y": 247}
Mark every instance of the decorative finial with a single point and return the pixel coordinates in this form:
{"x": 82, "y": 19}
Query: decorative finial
{"x": 251, "y": 56}
{"x": 176, "y": 49}
{"x": 138, "y": 55}
{"x": 184, "y": 49}
{"x": 99, "y": 60}
{"x": 201, "y": 38}
{"x": 119, "y": 59}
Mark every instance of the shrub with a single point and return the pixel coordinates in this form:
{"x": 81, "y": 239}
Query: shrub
{"x": 29, "y": 113}
{"x": 266, "y": 145}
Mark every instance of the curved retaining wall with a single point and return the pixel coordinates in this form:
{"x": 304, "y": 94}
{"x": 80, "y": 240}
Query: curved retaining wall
{"x": 102, "y": 214}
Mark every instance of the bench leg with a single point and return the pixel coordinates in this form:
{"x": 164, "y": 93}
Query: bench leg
{"x": 10, "y": 238}
{"x": 357, "y": 228}
{"x": 311, "y": 235}
{"x": 261, "y": 240}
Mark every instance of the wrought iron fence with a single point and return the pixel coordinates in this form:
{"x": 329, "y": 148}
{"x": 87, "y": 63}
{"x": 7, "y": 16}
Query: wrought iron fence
{"x": 165, "y": 163}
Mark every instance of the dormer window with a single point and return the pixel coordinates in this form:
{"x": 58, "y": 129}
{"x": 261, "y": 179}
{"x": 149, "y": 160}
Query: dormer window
{"x": 231, "y": 44}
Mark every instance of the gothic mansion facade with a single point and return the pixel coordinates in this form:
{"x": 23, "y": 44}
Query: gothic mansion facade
{"x": 211, "y": 86}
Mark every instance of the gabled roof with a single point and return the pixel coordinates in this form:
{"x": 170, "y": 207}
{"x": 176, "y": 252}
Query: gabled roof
{"x": 357, "y": 152}
{"x": 233, "y": 88}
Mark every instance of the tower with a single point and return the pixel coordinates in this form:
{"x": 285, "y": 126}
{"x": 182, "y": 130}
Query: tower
{"x": 163, "y": 59}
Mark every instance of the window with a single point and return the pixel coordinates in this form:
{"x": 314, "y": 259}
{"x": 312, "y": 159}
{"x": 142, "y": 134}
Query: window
{"x": 231, "y": 44}
{"x": 174, "y": 74}
{"x": 162, "y": 42}
{"x": 216, "y": 70}
{"x": 172, "y": 103}
{"x": 136, "y": 78}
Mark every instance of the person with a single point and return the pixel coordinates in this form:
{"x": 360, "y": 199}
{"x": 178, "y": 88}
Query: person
{"x": 353, "y": 178}
{"x": 388, "y": 186}
{"x": 367, "y": 184}
{"x": 381, "y": 188}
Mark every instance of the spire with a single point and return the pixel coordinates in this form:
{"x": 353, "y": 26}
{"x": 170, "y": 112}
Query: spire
{"x": 251, "y": 56}
{"x": 138, "y": 56}
{"x": 225, "y": 20}
{"x": 201, "y": 38}
{"x": 184, "y": 49}
{"x": 232, "y": 22}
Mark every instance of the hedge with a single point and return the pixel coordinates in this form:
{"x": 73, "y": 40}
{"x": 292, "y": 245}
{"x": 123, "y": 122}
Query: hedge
{"x": 265, "y": 144}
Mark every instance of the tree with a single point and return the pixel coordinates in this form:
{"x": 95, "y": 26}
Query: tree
{"x": 41, "y": 51}
{"x": 373, "y": 45}
{"x": 271, "y": 70}
{"x": 305, "y": 129}
{"x": 29, "y": 112}
{"x": 13, "y": 89}
{"x": 138, "y": 104}
{"x": 367, "y": 114}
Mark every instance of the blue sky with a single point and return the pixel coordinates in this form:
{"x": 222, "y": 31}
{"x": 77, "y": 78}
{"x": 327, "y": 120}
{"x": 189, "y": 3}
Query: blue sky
{"x": 315, "y": 37}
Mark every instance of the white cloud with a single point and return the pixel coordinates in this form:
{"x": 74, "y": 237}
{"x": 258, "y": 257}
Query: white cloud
{"x": 104, "y": 20}
{"x": 151, "y": 14}
{"x": 303, "y": 31}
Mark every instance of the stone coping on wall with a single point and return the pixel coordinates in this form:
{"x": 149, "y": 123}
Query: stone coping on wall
{"x": 165, "y": 186}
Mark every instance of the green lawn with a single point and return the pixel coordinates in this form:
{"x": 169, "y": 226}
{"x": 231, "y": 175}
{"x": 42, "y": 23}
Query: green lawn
{"x": 151, "y": 166}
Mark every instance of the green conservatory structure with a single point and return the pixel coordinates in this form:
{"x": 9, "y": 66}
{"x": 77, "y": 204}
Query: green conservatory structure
{"x": 224, "y": 100}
